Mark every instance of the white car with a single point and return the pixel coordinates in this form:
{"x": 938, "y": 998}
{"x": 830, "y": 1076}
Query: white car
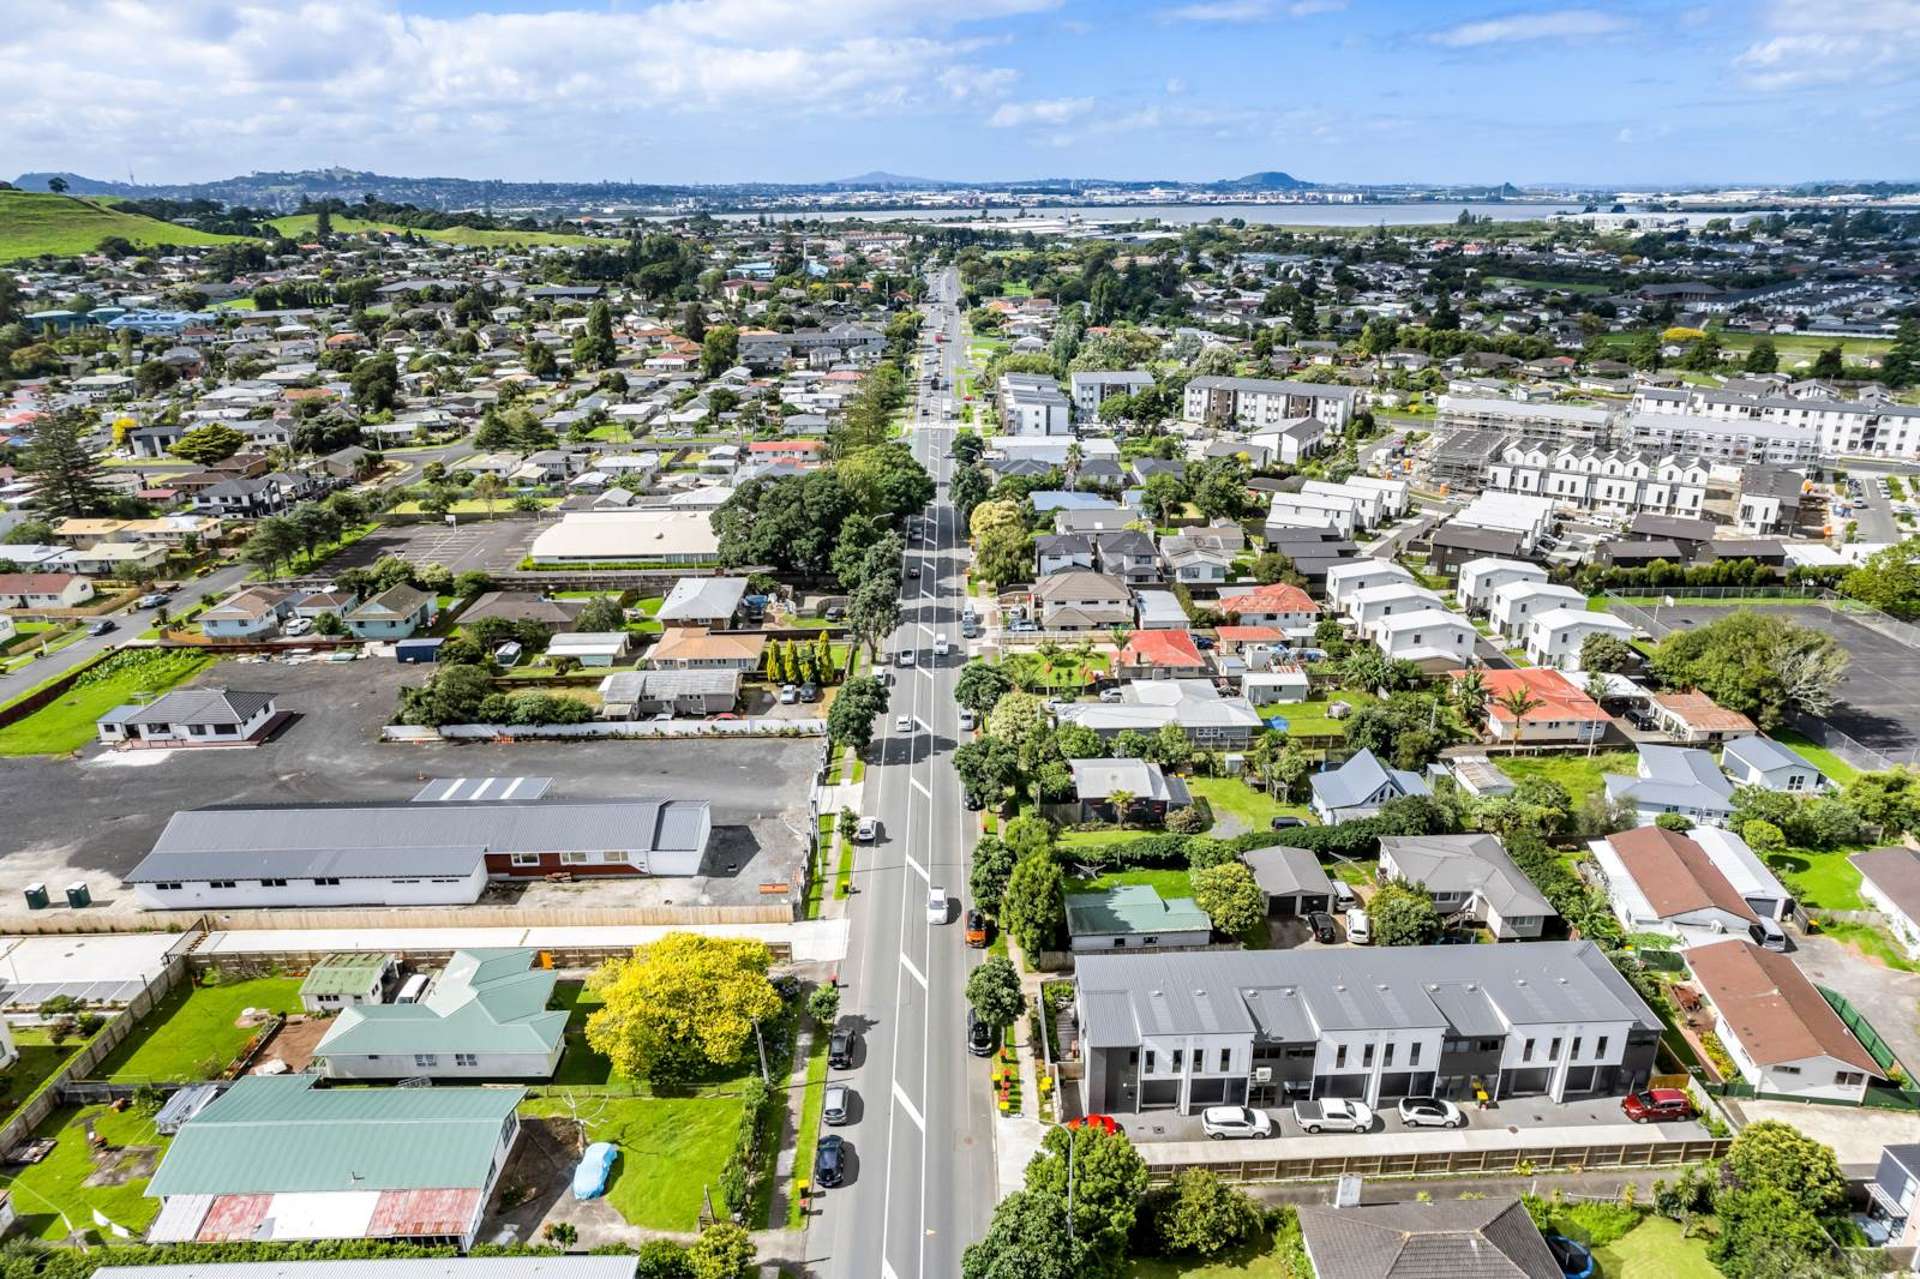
{"x": 1333, "y": 1114}
{"x": 967, "y": 721}
{"x": 865, "y": 832}
{"x": 904, "y": 724}
{"x": 298, "y": 626}
{"x": 1219, "y": 1122}
{"x": 1359, "y": 929}
{"x": 936, "y": 905}
{"x": 1430, "y": 1112}
{"x": 905, "y": 657}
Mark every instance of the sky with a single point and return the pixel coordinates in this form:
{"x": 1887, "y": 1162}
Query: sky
{"x": 1594, "y": 92}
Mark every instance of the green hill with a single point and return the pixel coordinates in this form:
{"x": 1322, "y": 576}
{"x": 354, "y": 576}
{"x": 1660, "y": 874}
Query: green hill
{"x": 32, "y": 224}
{"x": 301, "y": 224}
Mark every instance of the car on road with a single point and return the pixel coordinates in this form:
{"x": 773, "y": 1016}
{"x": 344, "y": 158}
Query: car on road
{"x": 841, "y": 1046}
{"x": 830, "y": 1161}
{"x": 973, "y": 803}
{"x": 1575, "y": 1259}
{"x": 1281, "y": 823}
{"x": 976, "y": 929}
{"x": 867, "y": 831}
{"x": 913, "y": 570}
{"x": 982, "y": 1039}
{"x": 104, "y": 626}
{"x": 967, "y": 721}
{"x": 153, "y": 599}
{"x": 1430, "y": 1112}
{"x": 940, "y": 646}
{"x": 1333, "y": 1114}
{"x": 904, "y": 657}
{"x": 903, "y": 724}
{"x": 837, "y": 1106}
{"x": 789, "y": 694}
{"x": 1221, "y": 1122}
{"x": 937, "y": 904}
{"x": 1657, "y": 1105}
{"x": 1322, "y": 925}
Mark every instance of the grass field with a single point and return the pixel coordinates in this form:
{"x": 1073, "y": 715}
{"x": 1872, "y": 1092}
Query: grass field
{"x": 297, "y": 225}
{"x": 1655, "y": 1249}
{"x": 1256, "y": 1261}
{"x": 192, "y": 1034}
{"x": 1309, "y": 718}
{"x": 43, "y": 1192}
{"x": 68, "y": 723}
{"x": 1230, "y": 795}
{"x": 1825, "y": 881}
{"x": 32, "y": 224}
{"x": 806, "y": 1131}
{"x": 1503, "y": 281}
{"x": 1836, "y": 769}
{"x": 38, "y": 1062}
{"x": 670, "y": 1149}
{"x": 1581, "y": 774}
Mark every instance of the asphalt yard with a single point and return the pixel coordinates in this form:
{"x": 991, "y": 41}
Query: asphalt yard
{"x": 490, "y": 545}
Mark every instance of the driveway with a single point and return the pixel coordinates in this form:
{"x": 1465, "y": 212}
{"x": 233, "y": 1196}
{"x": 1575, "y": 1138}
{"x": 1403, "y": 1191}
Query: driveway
{"x": 1890, "y": 999}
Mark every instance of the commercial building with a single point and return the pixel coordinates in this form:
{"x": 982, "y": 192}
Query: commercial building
{"x": 1194, "y": 1029}
{"x": 616, "y": 537}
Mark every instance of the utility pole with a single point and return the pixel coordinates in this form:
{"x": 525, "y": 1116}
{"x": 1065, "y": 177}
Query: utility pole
{"x": 761, "y": 1042}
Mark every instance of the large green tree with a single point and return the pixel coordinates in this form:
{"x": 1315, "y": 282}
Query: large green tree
{"x": 1109, "y": 1179}
{"x": 1759, "y": 664}
{"x": 1230, "y": 896}
{"x": 993, "y": 991}
{"x": 1034, "y": 909}
{"x": 850, "y": 719}
{"x": 64, "y": 469}
{"x": 1028, "y": 1239}
{"x": 1402, "y": 914}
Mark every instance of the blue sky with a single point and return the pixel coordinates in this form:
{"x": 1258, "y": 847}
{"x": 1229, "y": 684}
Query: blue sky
{"x": 798, "y": 90}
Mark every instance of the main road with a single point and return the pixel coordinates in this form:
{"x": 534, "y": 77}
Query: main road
{"x": 922, "y": 1183}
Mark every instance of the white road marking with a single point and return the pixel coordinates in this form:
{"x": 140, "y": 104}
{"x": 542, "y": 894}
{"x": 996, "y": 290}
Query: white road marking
{"x": 920, "y": 786}
{"x": 917, "y": 869}
{"x": 900, "y": 1095}
{"x": 918, "y": 976}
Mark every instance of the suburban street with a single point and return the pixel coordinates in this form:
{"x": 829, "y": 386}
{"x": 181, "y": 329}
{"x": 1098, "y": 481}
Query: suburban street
{"x": 922, "y": 1182}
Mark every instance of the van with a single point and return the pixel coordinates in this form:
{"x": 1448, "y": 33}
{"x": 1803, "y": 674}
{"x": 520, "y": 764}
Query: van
{"x": 412, "y": 989}
{"x": 1768, "y": 935}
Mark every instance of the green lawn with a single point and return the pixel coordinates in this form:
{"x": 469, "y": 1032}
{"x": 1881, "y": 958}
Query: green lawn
{"x": 1169, "y": 884}
{"x": 33, "y": 223}
{"x": 1065, "y": 672}
{"x": 813, "y": 1100}
{"x": 44, "y": 1191}
{"x": 1823, "y": 880}
{"x": 300, "y": 224}
{"x": 68, "y": 724}
{"x": 1503, "y": 281}
{"x": 1837, "y": 770}
{"x": 1231, "y": 795}
{"x": 1655, "y": 1249}
{"x": 579, "y": 1064}
{"x": 671, "y": 1148}
{"x": 192, "y": 1034}
{"x": 1870, "y": 941}
{"x": 1580, "y": 774}
{"x": 1087, "y": 839}
{"x": 39, "y": 1060}
{"x": 1309, "y": 718}
{"x": 1256, "y": 1261}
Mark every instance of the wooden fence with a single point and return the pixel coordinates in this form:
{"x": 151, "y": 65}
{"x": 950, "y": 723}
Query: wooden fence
{"x": 251, "y": 963}
{"x": 56, "y": 688}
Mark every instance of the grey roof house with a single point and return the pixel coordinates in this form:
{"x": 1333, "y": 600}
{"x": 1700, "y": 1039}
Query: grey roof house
{"x": 1359, "y": 787}
{"x": 485, "y": 1016}
{"x": 191, "y": 717}
{"x": 1469, "y": 876}
{"x": 1675, "y": 779}
{"x": 711, "y": 602}
{"x": 1761, "y": 761}
{"x": 395, "y": 613}
{"x": 1292, "y": 878}
{"x": 1444, "y": 1239}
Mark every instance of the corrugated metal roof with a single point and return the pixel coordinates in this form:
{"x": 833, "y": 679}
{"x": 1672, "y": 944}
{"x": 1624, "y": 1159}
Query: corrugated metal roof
{"x": 484, "y": 1001}
{"x": 287, "y": 863}
{"x": 274, "y": 1134}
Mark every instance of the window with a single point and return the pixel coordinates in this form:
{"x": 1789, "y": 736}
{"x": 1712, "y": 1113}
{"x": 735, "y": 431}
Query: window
{"x": 1849, "y": 1078}
{"x": 328, "y": 881}
{"x": 1226, "y": 1060}
{"x": 1526, "y": 1052}
{"x": 273, "y": 883}
{"x": 328, "y": 999}
{"x": 1119, "y": 942}
{"x": 1149, "y": 1066}
{"x": 466, "y": 1059}
{"x": 1366, "y": 1055}
{"x": 426, "y": 1059}
{"x": 1340, "y": 1057}
{"x": 1600, "y": 1046}
{"x": 1788, "y": 1070}
{"x": 1179, "y": 1059}
{"x": 1573, "y": 1054}
{"x": 526, "y": 859}
{"x": 1413, "y": 1054}
{"x": 575, "y": 858}
{"x": 1553, "y": 1052}
{"x": 169, "y": 886}
{"x": 222, "y": 883}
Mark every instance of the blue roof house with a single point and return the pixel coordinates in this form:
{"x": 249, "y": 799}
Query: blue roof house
{"x": 1675, "y": 779}
{"x": 1761, "y": 761}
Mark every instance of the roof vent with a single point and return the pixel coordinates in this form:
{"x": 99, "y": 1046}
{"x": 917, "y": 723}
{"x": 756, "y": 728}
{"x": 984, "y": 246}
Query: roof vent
{"x": 1519, "y": 981}
{"x": 1382, "y": 988}
{"x": 1159, "y": 994}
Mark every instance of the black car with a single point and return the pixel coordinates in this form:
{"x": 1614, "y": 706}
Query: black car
{"x": 102, "y": 626}
{"x": 809, "y": 692}
{"x": 1285, "y": 823}
{"x": 840, "y": 1048}
{"x": 980, "y": 1035}
{"x": 974, "y": 803}
{"x": 834, "y": 613}
{"x": 830, "y": 1160}
{"x": 1322, "y": 925}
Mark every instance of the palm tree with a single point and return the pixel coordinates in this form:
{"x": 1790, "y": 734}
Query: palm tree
{"x": 1075, "y": 455}
{"x": 1119, "y": 635}
{"x": 1049, "y": 653}
{"x": 1121, "y": 800}
{"x": 1470, "y": 694}
{"x": 1517, "y": 701}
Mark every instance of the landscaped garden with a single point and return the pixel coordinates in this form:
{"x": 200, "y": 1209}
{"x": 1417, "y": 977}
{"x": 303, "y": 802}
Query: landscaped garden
{"x": 67, "y": 723}
{"x": 195, "y": 1032}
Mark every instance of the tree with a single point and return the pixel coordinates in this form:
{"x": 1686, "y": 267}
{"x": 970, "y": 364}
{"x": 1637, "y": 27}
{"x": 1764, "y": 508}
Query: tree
{"x": 1607, "y": 654}
{"x": 723, "y": 1251}
{"x": 719, "y": 350}
{"x": 1763, "y": 837}
{"x": 1469, "y": 694}
{"x": 1002, "y": 546}
{"x": 967, "y": 488}
{"x": 1077, "y": 741}
{"x": 539, "y": 359}
{"x": 1231, "y": 898}
{"x": 986, "y": 767}
{"x": 1033, "y": 909}
{"x": 1016, "y": 719}
{"x": 1109, "y": 1179}
{"x": 823, "y": 1004}
{"x": 1171, "y": 747}
{"x": 1762, "y": 358}
{"x": 1830, "y": 363}
{"x": 1220, "y": 487}
{"x": 980, "y": 686}
{"x": 683, "y": 1003}
{"x": 1204, "y": 1216}
{"x": 1888, "y": 580}
{"x": 1164, "y": 495}
{"x": 64, "y": 468}
{"x": 1271, "y": 566}
{"x": 1758, "y": 664}
{"x": 993, "y": 864}
{"x": 57, "y": 184}
{"x": 452, "y": 696}
{"x": 316, "y": 524}
{"x": 1518, "y": 702}
{"x": 1028, "y": 1238}
{"x": 850, "y": 719}
{"x": 602, "y": 613}
{"x": 1774, "y": 1156}
{"x": 488, "y": 489}
{"x": 874, "y": 612}
{"x": 272, "y": 543}
{"x": 1901, "y": 366}
{"x": 993, "y": 992}
{"x": 595, "y": 347}
{"x": 1889, "y": 800}
{"x": 376, "y": 384}
{"x": 1402, "y": 914}
{"x": 205, "y": 445}
{"x": 1768, "y": 1234}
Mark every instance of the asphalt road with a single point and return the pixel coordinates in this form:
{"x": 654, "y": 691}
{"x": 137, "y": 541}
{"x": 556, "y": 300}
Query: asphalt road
{"x": 922, "y": 1183}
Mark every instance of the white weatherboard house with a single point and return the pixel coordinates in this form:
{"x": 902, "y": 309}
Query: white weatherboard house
{"x": 1513, "y": 604}
{"x": 1761, "y": 761}
{"x": 1368, "y": 605}
{"x": 1776, "y": 1025}
{"x": 1555, "y": 637}
{"x": 1890, "y": 880}
{"x": 1431, "y": 636}
{"x": 1359, "y": 787}
{"x": 1480, "y": 578}
{"x": 1660, "y": 881}
{"x": 1469, "y": 876}
{"x": 1345, "y": 577}
{"x": 1675, "y": 779}
{"x": 485, "y": 1016}
{"x": 190, "y": 717}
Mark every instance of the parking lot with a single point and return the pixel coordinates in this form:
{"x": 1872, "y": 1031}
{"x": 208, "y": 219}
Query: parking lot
{"x": 490, "y": 545}
{"x": 94, "y": 819}
{"x": 1880, "y": 696}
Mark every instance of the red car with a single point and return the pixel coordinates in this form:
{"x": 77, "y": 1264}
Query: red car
{"x": 1103, "y": 1122}
{"x": 1657, "y": 1105}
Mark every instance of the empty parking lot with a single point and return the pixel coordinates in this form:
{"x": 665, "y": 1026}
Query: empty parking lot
{"x": 488, "y": 545}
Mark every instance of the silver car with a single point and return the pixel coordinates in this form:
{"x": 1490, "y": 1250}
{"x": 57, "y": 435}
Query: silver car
{"x": 838, "y": 1107}
{"x": 1235, "y": 1121}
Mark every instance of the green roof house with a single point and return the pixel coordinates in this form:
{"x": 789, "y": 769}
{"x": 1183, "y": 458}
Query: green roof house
{"x": 484, "y": 1017}
{"x": 280, "y": 1157}
{"x": 342, "y": 981}
{"x": 1135, "y": 917}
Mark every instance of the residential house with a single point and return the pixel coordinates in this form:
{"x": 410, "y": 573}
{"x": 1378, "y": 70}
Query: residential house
{"x": 1890, "y": 881}
{"x": 1559, "y": 713}
{"x": 694, "y": 648}
{"x": 1436, "y": 639}
{"x": 1160, "y": 611}
{"x": 1345, "y": 578}
{"x": 1191, "y": 1029}
{"x": 398, "y": 612}
{"x": 347, "y": 980}
{"x": 1276, "y": 682}
{"x": 641, "y": 694}
{"x": 1455, "y": 544}
{"x": 1196, "y": 565}
{"x": 1294, "y": 881}
{"x": 1892, "y": 1196}
{"x": 1661, "y": 881}
{"x": 1077, "y": 600}
{"x": 44, "y": 590}
{"x": 1292, "y": 442}
{"x": 1480, "y": 578}
{"x": 1195, "y": 706}
{"x": 1757, "y": 885}
{"x": 191, "y": 717}
{"x": 1313, "y": 510}
{"x": 253, "y": 613}
{"x": 1696, "y": 719}
{"x": 1675, "y": 779}
{"x": 1150, "y": 794}
{"x": 1129, "y": 555}
{"x": 1761, "y": 761}
{"x": 1470, "y": 877}
{"x": 334, "y": 1169}
{"x": 1514, "y": 604}
{"x": 1062, "y": 552}
{"x": 1031, "y": 404}
{"x": 1134, "y": 917}
{"x": 1280, "y": 604}
{"x": 712, "y": 602}
{"x": 1367, "y": 606}
{"x": 1783, "y": 1035}
{"x": 1359, "y": 787}
{"x": 1160, "y": 654}
{"x": 1556, "y": 637}
{"x": 486, "y": 1015}
{"x": 1475, "y": 1238}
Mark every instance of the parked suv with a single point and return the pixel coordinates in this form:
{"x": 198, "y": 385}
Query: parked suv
{"x": 1219, "y": 1122}
{"x": 840, "y": 1047}
{"x": 1658, "y": 1105}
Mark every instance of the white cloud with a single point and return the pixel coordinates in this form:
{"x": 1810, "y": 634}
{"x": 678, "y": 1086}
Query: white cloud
{"x": 969, "y": 84}
{"x": 1176, "y": 86}
{"x": 1812, "y": 43}
{"x": 1249, "y": 10}
{"x": 1553, "y": 24}
{"x": 1051, "y": 112}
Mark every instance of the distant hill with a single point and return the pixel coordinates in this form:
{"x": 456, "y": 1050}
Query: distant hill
{"x": 1268, "y": 180}
{"x": 881, "y": 180}
{"x": 32, "y": 224}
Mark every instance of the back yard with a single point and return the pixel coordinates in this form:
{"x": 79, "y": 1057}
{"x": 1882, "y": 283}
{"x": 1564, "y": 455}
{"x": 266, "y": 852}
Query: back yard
{"x": 671, "y": 1148}
{"x": 60, "y": 1194}
{"x": 1237, "y": 807}
{"x": 1581, "y": 775}
{"x": 196, "y": 1033}
{"x": 67, "y": 723}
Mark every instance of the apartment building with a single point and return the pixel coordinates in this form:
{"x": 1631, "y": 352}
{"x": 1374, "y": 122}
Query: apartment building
{"x": 1480, "y": 578}
{"x": 1194, "y": 1029}
{"x": 1314, "y": 510}
{"x": 1548, "y": 421}
{"x": 1255, "y": 402}
{"x": 1619, "y": 480}
{"x": 1092, "y": 389}
{"x": 1834, "y": 427}
{"x": 1031, "y": 404}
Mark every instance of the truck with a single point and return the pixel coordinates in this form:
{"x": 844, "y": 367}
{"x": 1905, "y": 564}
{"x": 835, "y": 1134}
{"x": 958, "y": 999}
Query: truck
{"x": 1333, "y": 1114}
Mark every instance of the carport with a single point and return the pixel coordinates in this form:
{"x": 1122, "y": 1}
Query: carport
{"x": 1292, "y": 878}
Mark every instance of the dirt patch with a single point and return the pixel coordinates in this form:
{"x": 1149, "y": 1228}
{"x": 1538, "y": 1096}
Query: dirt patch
{"x": 536, "y": 1188}
{"x": 117, "y": 1167}
{"x": 293, "y": 1044}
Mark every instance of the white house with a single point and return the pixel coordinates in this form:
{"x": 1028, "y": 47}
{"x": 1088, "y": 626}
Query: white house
{"x": 1313, "y": 510}
{"x": 1344, "y": 577}
{"x": 1480, "y": 578}
{"x": 1369, "y": 505}
{"x": 1470, "y": 876}
{"x": 1365, "y": 607}
{"x": 1890, "y": 880}
{"x": 1292, "y": 442}
{"x": 484, "y": 1016}
{"x": 1554, "y": 638}
{"x": 1758, "y": 886}
{"x": 1761, "y": 761}
{"x": 1675, "y": 779}
{"x": 1660, "y": 881}
{"x": 1514, "y": 604}
{"x": 590, "y": 648}
{"x": 190, "y": 717}
{"x": 1780, "y": 1031}
{"x": 1359, "y": 787}
{"x": 1431, "y": 636}
{"x": 1395, "y": 494}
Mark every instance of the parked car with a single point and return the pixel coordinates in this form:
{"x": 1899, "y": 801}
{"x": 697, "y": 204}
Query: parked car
{"x": 1430, "y": 1112}
{"x": 1111, "y": 695}
{"x": 1220, "y": 1122}
{"x": 904, "y": 657}
{"x": 1658, "y": 1105}
{"x": 867, "y": 831}
{"x": 789, "y": 694}
{"x": 976, "y": 934}
{"x": 830, "y": 1161}
{"x": 1359, "y": 930}
{"x": 1285, "y": 823}
{"x": 1575, "y": 1259}
{"x": 1322, "y": 925}
{"x": 836, "y": 1107}
{"x": 809, "y": 692}
{"x": 981, "y": 1036}
{"x": 840, "y": 1047}
{"x": 1344, "y": 898}
{"x": 937, "y": 904}
{"x": 834, "y": 613}
{"x": 153, "y": 599}
{"x": 104, "y": 626}
{"x": 301, "y": 625}
{"x": 1333, "y": 1114}
{"x": 967, "y": 721}
{"x": 1203, "y": 642}
{"x": 595, "y": 1166}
